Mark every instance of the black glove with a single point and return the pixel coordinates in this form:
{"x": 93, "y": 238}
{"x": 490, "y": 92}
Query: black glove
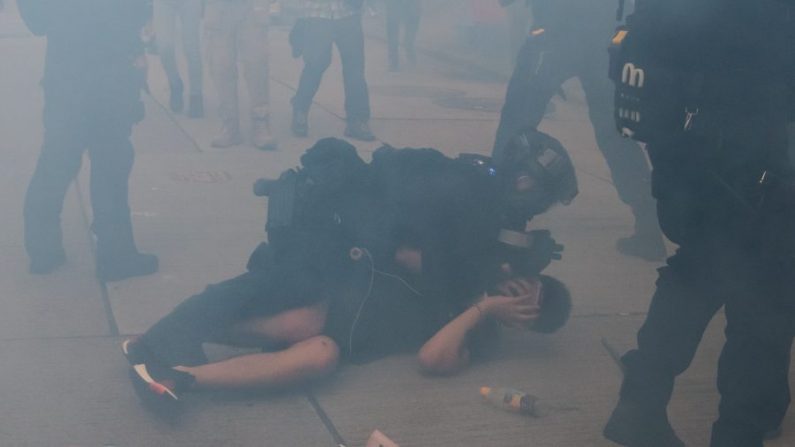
{"x": 544, "y": 250}
{"x": 531, "y": 261}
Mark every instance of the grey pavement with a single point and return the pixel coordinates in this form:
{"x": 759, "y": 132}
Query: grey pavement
{"x": 63, "y": 380}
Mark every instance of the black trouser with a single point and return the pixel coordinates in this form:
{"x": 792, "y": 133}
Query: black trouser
{"x": 94, "y": 116}
{"x": 407, "y": 13}
{"x": 735, "y": 251}
{"x": 320, "y": 35}
{"x": 267, "y": 288}
{"x": 538, "y": 77}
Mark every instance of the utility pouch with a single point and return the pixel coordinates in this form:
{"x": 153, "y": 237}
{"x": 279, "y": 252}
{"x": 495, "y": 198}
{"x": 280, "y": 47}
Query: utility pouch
{"x": 282, "y": 197}
{"x": 651, "y": 99}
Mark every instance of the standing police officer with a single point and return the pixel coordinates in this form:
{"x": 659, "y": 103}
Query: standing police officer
{"x": 706, "y": 87}
{"x": 93, "y": 75}
{"x": 567, "y": 41}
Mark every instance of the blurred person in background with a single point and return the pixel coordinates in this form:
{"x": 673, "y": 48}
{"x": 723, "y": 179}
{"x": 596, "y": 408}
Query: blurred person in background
{"x": 94, "y": 71}
{"x": 189, "y": 13}
{"x": 405, "y": 14}
{"x": 567, "y": 40}
{"x": 327, "y": 23}
{"x": 237, "y": 34}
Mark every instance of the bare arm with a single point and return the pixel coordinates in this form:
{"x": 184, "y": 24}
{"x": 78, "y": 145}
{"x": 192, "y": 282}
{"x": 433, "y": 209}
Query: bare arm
{"x": 447, "y": 352}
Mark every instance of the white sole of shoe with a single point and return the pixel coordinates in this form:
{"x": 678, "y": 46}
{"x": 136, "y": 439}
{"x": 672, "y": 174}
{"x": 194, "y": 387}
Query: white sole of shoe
{"x": 154, "y": 385}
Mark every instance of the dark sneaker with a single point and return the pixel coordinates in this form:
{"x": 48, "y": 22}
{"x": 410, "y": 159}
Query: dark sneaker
{"x": 631, "y": 425}
{"x": 650, "y": 248}
{"x": 359, "y": 130}
{"x": 126, "y": 266}
{"x": 136, "y": 352}
{"x": 43, "y": 265}
{"x": 300, "y": 125}
{"x": 159, "y": 387}
{"x": 196, "y": 106}
{"x": 175, "y": 101}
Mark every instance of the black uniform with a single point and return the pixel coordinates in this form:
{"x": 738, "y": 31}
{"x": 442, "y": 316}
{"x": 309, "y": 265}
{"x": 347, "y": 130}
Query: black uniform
{"x": 92, "y": 100}
{"x": 573, "y": 45}
{"x": 724, "y": 195}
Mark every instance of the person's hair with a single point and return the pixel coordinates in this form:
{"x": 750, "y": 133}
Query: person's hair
{"x": 555, "y": 306}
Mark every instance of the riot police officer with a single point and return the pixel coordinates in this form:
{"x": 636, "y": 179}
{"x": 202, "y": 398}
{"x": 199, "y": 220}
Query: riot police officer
{"x": 706, "y": 85}
{"x": 567, "y": 40}
{"x": 93, "y": 76}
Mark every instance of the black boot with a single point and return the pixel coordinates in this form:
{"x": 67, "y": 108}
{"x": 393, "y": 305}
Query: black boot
{"x": 176, "y": 102}
{"x": 633, "y": 425}
{"x": 647, "y": 241}
{"x": 44, "y": 264}
{"x": 118, "y": 258}
{"x": 735, "y": 435}
{"x": 119, "y": 266}
{"x": 300, "y": 124}
{"x": 644, "y": 246}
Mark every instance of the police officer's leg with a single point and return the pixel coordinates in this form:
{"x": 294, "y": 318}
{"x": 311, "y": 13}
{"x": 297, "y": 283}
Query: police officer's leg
{"x": 536, "y": 78}
{"x": 413, "y": 13}
{"x": 221, "y": 31}
{"x": 191, "y": 16}
{"x": 349, "y": 37}
{"x": 165, "y": 20}
{"x": 753, "y": 372}
{"x": 678, "y": 315}
{"x": 112, "y": 156}
{"x": 58, "y": 164}
{"x": 393, "y": 32}
{"x": 254, "y": 52}
{"x": 687, "y": 296}
{"x": 627, "y": 163}
{"x": 318, "y": 41}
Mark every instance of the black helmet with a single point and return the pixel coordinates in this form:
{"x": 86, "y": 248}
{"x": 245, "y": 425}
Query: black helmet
{"x": 536, "y": 173}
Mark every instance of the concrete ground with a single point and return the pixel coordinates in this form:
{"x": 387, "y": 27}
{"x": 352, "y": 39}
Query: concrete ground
{"x": 63, "y": 380}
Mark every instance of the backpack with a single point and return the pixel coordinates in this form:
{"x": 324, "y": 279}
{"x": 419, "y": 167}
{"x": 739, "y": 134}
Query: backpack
{"x": 312, "y": 209}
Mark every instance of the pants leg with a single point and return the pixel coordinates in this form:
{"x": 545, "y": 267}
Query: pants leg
{"x": 221, "y": 32}
{"x": 538, "y": 74}
{"x": 177, "y": 338}
{"x": 58, "y": 164}
{"x": 254, "y": 52}
{"x": 318, "y": 42}
{"x": 625, "y": 158}
{"x": 679, "y": 313}
{"x": 191, "y": 17}
{"x": 165, "y": 18}
{"x": 268, "y": 288}
{"x": 349, "y": 38}
{"x": 412, "y": 14}
{"x": 112, "y": 156}
{"x": 393, "y": 16}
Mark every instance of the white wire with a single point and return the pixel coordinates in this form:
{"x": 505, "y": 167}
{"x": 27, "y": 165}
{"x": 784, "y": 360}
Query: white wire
{"x": 373, "y": 271}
